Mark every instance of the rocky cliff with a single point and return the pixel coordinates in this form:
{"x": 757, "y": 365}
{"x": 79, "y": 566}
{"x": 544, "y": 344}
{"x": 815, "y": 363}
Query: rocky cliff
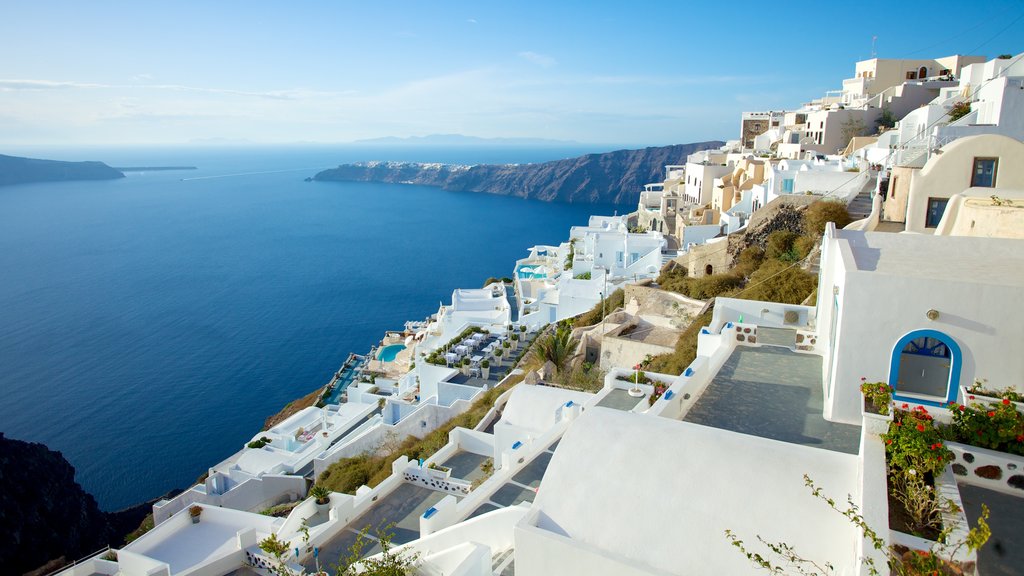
{"x": 613, "y": 177}
{"x": 16, "y": 170}
{"x": 45, "y": 515}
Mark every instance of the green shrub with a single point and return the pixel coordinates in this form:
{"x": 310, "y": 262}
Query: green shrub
{"x": 714, "y": 285}
{"x": 820, "y": 213}
{"x": 803, "y": 245}
{"x": 777, "y": 281}
{"x": 748, "y": 261}
{"x": 780, "y": 244}
{"x": 959, "y": 110}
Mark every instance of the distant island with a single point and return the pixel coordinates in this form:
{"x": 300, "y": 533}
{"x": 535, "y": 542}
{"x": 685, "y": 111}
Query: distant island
{"x": 610, "y": 178}
{"x": 17, "y": 170}
{"x": 152, "y": 168}
{"x": 463, "y": 140}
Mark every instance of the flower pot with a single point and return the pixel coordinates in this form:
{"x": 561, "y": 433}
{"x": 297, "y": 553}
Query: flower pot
{"x": 486, "y": 373}
{"x": 967, "y": 397}
{"x": 874, "y": 422}
{"x": 195, "y": 519}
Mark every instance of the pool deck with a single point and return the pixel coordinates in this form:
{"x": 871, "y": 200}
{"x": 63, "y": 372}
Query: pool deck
{"x": 774, "y": 393}
{"x": 402, "y": 507}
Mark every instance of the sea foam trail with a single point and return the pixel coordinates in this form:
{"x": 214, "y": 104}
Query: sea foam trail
{"x": 251, "y": 173}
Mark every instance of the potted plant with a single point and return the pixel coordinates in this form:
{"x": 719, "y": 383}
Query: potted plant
{"x": 465, "y": 366}
{"x": 515, "y": 341}
{"x": 878, "y": 408}
{"x": 485, "y": 369}
{"x": 522, "y": 328}
{"x": 195, "y": 511}
{"x": 322, "y": 496}
{"x": 497, "y": 355}
{"x": 438, "y": 471}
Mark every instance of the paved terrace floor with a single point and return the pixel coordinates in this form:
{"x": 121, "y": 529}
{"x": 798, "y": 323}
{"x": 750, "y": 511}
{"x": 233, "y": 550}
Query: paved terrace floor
{"x": 521, "y": 488}
{"x": 773, "y": 393}
{"x": 466, "y": 465}
{"x": 1003, "y": 553}
{"x": 402, "y": 507}
{"x": 620, "y": 400}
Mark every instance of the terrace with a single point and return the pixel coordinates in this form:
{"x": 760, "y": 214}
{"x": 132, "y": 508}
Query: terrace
{"x": 401, "y": 510}
{"x": 772, "y": 392}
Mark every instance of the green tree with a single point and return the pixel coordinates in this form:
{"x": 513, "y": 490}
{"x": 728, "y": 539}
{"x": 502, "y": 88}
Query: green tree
{"x": 557, "y": 347}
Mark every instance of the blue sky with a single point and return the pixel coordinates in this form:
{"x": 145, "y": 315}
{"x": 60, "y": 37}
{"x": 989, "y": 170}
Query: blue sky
{"x": 630, "y": 73}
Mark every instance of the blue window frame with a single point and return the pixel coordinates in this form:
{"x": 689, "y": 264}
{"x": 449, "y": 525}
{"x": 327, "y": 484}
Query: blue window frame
{"x": 928, "y": 343}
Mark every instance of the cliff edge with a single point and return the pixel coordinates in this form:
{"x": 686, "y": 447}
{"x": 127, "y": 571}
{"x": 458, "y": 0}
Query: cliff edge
{"x": 611, "y": 178}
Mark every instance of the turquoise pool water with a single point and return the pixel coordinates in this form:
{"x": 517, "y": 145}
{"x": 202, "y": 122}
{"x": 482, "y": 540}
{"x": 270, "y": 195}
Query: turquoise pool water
{"x": 388, "y": 353}
{"x": 528, "y": 273}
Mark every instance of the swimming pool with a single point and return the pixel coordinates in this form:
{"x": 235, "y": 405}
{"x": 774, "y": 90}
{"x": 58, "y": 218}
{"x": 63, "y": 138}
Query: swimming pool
{"x": 388, "y": 353}
{"x": 531, "y": 272}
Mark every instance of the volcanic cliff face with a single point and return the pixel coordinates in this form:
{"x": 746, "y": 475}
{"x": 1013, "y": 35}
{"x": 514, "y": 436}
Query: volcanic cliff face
{"x": 16, "y": 170}
{"x": 45, "y": 514}
{"x": 613, "y": 177}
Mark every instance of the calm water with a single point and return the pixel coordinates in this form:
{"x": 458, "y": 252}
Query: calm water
{"x": 149, "y": 325}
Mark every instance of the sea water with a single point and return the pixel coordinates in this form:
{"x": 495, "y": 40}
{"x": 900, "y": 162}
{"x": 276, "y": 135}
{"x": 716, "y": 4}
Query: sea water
{"x": 149, "y": 325}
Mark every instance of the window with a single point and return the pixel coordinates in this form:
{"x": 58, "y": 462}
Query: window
{"x": 922, "y": 73}
{"x": 984, "y": 174}
{"x": 912, "y": 75}
{"x": 618, "y": 257}
{"x": 787, "y": 185}
{"x": 936, "y": 206}
{"x": 633, "y": 257}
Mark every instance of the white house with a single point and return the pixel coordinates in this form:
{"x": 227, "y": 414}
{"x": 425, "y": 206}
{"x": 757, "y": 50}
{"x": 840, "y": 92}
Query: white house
{"x": 938, "y": 310}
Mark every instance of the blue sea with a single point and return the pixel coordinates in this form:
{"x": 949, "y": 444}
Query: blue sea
{"x": 149, "y": 325}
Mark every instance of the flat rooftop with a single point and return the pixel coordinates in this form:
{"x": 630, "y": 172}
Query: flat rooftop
{"x": 775, "y": 393}
{"x": 996, "y": 261}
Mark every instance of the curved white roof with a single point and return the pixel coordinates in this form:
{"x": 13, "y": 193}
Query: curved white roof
{"x": 660, "y": 493}
{"x": 258, "y": 461}
{"x": 537, "y": 407}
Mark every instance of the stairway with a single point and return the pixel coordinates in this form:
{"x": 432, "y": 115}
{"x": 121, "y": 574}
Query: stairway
{"x": 860, "y": 206}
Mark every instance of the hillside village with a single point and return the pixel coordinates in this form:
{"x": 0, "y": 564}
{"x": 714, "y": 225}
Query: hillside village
{"x": 798, "y": 352}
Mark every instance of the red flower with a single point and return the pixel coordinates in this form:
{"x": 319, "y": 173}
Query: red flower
{"x": 1006, "y": 401}
{"x": 962, "y": 408}
{"x": 905, "y": 405}
{"x": 971, "y": 397}
{"x": 991, "y": 414}
{"x": 862, "y": 379}
{"x": 887, "y": 442}
{"x": 920, "y": 427}
{"x": 1020, "y": 437}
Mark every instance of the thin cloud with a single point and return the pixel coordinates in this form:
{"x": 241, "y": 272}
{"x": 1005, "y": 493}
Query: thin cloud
{"x": 541, "y": 60}
{"x": 471, "y": 20}
{"x": 14, "y": 85}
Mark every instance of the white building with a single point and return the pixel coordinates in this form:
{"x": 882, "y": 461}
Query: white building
{"x": 935, "y": 308}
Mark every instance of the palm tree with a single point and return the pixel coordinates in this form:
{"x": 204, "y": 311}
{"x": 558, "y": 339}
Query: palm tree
{"x": 558, "y": 347}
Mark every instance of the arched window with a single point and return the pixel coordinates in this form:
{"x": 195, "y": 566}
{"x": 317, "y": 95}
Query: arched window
{"x": 922, "y": 73}
{"x": 925, "y": 368}
{"x": 708, "y": 270}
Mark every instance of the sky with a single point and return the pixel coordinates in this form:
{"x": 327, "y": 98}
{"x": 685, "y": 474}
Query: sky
{"x": 628, "y": 73}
